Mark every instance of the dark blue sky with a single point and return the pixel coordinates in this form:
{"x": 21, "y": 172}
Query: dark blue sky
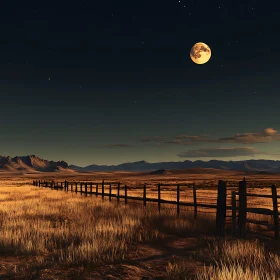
{"x": 108, "y": 82}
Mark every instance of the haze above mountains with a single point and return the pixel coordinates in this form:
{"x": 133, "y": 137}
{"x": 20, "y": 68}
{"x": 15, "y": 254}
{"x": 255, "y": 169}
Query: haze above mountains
{"x": 32, "y": 163}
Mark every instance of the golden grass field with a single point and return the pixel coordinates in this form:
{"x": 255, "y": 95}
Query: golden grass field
{"x": 53, "y": 234}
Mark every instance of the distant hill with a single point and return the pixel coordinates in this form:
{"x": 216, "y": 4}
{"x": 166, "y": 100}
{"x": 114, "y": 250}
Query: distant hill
{"x": 30, "y": 163}
{"x": 245, "y": 165}
{"x": 159, "y": 172}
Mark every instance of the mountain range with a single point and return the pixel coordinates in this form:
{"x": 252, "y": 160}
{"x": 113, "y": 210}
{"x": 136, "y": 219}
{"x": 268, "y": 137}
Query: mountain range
{"x": 244, "y": 165}
{"x": 33, "y": 163}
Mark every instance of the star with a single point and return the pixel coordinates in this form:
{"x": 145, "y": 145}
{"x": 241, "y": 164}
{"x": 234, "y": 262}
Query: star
{"x": 49, "y": 79}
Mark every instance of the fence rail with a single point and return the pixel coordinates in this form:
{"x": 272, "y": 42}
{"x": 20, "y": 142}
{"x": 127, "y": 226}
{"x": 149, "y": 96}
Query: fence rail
{"x": 236, "y": 202}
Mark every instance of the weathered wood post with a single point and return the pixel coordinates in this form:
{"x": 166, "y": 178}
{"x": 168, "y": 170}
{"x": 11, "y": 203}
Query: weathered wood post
{"x": 144, "y": 195}
{"x": 275, "y": 211}
{"x": 110, "y": 192}
{"x": 242, "y": 209}
{"x": 221, "y": 208}
{"x": 178, "y": 200}
{"x": 233, "y": 212}
{"x": 90, "y": 189}
{"x": 86, "y": 188}
{"x": 102, "y": 189}
{"x": 159, "y": 198}
{"x": 39, "y": 183}
{"x": 125, "y": 193}
{"x": 81, "y": 188}
{"x": 96, "y": 191}
{"x": 194, "y": 201}
{"x": 65, "y": 185}
{"x": 119, "y": 185}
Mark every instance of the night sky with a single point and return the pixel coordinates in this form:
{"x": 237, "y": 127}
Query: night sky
{"x": 108, "y": 82}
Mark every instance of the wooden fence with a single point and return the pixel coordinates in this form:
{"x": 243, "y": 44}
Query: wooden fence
{"x": 237, "y": 207}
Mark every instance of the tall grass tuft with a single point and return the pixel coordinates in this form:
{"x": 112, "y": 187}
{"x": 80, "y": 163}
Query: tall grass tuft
{"x": 241, "y": 260}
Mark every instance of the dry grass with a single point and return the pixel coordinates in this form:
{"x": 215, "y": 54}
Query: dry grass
{"x": 233, "y": 260}
{"x": 70, "y": 230}
{"x": 242, "y": 260}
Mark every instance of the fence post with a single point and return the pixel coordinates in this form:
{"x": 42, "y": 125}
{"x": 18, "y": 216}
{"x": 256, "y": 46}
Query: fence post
{"x": 159, "y": 198}
{"x": 110, "y": 192}
{"x": 242, "y": 209}
{"x": 178, "y": 200}
{"x": 96, "y": 191}
{"x": 65, "y": 185}
{"x": 39, "y": 183}
{"x": 233, "y": 212}
{"x": 275, "y": 212}
{"x": 76, "y": 187}
{"x": 194, "y": 201}
{"x": 61, "y": 185}
{"x": 81, "y": 187}
{"x": 221, "y": 208}
{"x": 125, "y": 190}
{"x": 91, "y": 189}
{"x": 86, "y": 188}
{"x": 144, "y": 195}
{"x": 118, "y": 191}
{"x": 102, "y": 189}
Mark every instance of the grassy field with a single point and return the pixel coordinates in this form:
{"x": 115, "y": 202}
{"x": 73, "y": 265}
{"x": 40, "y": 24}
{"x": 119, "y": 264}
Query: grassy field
{"x": 50, "y": 234}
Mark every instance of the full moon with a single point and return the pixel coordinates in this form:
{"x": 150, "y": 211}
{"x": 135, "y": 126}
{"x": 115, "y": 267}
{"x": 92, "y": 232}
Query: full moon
{"x": 200, "y": 53}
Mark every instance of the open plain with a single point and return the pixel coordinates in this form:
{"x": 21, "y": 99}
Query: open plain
{"x": 52, "y": 234}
